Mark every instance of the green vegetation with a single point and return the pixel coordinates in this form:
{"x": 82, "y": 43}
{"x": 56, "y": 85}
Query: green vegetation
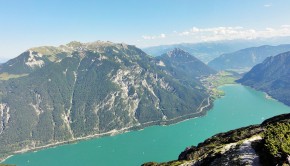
{"x": 277, "y": 140}
{"x": 46, "y": 50}
{"x": 7, "y": 76}
{"x": 225, "y": 77}
{"x": 222, "y": 78}
{"x": 272, "y": 77}
{"x": 212, "y": 82}
{"x": 6, "y": 165}
{"x": 92, "y": 91}
{"x": 216, "y": 93}
{"x": 184, "y": 66}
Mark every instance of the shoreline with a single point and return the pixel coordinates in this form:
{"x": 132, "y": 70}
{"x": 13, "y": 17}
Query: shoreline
{"x": 138, "y": 127}
{"x": 269, "y": 97}
{"x": 5, "y": 158}
{"x": 266, "y": 95}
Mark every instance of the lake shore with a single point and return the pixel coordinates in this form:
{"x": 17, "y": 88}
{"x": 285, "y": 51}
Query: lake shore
{"x": 162, "y": 143}
{"x": 202, "y": 109}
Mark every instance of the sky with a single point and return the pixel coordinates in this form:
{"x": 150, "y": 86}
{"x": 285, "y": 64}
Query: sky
{"x": 30, "y": 23}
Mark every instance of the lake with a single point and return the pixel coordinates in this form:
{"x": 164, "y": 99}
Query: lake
{"x": 241, "y": 106}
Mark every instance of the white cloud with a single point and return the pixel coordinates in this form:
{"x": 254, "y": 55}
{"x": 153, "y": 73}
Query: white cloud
{"x": 285, "y": 26}
{"x": 267, "y": 5}
{"x": 184, "y": 33}
{"x": 229, "y": 33}
{"x": 195, "y": 35}
{"x": 162, "y": 35}
{"x": 147, "y": 37}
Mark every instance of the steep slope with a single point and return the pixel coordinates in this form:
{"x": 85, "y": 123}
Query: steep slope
{"x": 36, "y": 58}
{"x": 272, "y": 76}
{"x": 245, "y": 59}
{"x": 88, "y": 89}
{"x": 182, "y": 65}
{"x": 266, "y": 144}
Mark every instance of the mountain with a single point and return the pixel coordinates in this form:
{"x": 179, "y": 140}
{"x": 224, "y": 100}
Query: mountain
{"x": 272, "y": 76}
{"x": 36, "y": 58}
{"x": 266, "y": 144}
{"x": 245, "y": 59}
{"x": 203, "y": 51}
{"x": 207, "y": 51}
{"x": 52, "y": 95}
{"x": 183, "y": 65}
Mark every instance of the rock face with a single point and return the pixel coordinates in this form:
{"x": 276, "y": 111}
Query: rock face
{"x": 56, "y": 94}
{"x": 265, "y": 144}
{"x": 245, "y": 59}
{"x": 272, "y": 76}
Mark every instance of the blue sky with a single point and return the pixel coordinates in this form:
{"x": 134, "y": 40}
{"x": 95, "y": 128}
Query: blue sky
{"x": 30, "y": 23}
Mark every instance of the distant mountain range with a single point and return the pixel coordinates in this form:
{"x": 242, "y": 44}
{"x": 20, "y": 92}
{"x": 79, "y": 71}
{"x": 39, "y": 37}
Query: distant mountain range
{"x": 272, "y": 76}
{"x": 245, "y": 59}
{"x": 207, "y": 51}
{"x": 50, "y": 95}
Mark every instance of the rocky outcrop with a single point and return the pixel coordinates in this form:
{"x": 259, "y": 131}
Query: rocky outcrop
{"x": 265, "y": 144}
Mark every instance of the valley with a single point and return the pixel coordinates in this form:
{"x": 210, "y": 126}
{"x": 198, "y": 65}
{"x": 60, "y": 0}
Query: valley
{"x": 134, "y": 91}
{"x": 83, "y": 90}
{"x": 162, "y": 143}
{"x": 148, "y": 83}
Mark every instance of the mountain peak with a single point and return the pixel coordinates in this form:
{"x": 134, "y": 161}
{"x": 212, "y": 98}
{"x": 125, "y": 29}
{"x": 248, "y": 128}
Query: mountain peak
{"x": 96, "y": 44}
{"x": 184, "y": 64}
{"x": 37, "y": 57}
{"x": 177, "y": 52}
{"x": 77, "y": 46}
{"x": 74, "y": 44}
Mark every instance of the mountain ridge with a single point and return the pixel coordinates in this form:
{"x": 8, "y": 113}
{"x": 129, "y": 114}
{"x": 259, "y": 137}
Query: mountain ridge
{"x": 180, "y": 61}
{"x": 37, "y": 57}
{"x": 88, "y": 92}
{"x": 247, "y": 58}
{"x": 207, "y": 51}
{"x": 271, "y": 76}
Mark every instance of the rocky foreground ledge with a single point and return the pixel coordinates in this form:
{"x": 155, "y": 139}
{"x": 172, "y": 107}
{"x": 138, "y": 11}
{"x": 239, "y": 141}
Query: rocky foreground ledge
{"x": 265, "y": 144}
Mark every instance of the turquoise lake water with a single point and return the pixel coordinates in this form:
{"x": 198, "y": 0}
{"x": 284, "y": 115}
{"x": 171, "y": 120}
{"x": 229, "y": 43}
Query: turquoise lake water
{"x": 241, "y": 106}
